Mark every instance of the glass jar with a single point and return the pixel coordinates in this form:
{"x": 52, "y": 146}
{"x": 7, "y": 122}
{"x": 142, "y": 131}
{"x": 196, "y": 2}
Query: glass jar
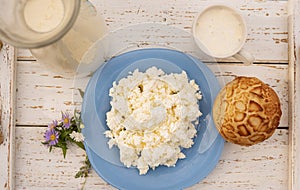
{"x": 64, "y": 56}
{"x": 62, "y": 53}
{"x": 19, "y": 21}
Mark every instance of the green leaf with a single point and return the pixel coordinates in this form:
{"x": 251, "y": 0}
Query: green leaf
{"x": 87, "y": 162}
{"x": 80, "y": 145}
{"x": 64, "y": 134}
{"x": 68, "y": 138}
{"x": 64, "y": 140}
{"x": 64, "y": 150}
{"x": 81, "y": 92}
{"x": 76, "y": 114}
{"x": 78, "y": 174}
{"x": 84, "y": 170}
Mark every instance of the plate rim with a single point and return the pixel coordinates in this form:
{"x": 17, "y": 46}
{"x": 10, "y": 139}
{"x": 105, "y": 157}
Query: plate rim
{"x": 221, "y": 140}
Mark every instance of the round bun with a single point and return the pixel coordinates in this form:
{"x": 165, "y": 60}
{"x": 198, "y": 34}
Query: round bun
{"x": 246, "y": 111}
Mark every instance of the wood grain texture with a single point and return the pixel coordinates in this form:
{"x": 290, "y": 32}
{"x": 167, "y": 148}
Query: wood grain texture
{"x": 239, "y": 167}
{"x": 266, "y": 21}
{"x": 294, "y": 94}
{"x": 42, "y": 94}
{"x": 7, "y": 117}
{"x": 267, "y": 26}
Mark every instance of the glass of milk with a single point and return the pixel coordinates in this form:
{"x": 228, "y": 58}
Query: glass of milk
{"x": 57, "y": 32}
{"x": 221, "y": 32}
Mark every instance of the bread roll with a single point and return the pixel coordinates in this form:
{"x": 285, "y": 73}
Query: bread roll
{"x": 246, "y": 111}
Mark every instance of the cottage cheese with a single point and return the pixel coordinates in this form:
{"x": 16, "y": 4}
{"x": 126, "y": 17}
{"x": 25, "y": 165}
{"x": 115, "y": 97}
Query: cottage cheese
{"x": 152, "y": 117}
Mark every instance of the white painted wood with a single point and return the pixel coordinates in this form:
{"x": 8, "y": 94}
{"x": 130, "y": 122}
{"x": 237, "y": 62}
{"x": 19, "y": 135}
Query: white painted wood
{"x": 266, "y": 21}
{"x": 42, "y": 94}
{"x": 294, "y": 94}
{"x": 7, "y": 117}
{"x": 263, "y": 166}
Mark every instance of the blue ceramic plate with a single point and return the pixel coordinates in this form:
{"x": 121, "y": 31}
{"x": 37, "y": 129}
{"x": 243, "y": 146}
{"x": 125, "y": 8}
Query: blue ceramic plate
{"x": 197, "y": 164}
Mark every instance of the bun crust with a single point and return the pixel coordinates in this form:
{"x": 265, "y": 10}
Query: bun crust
{"x": 246, "y": 111}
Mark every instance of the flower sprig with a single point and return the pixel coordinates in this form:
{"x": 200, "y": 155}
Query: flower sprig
{"x": 61, "y": 133}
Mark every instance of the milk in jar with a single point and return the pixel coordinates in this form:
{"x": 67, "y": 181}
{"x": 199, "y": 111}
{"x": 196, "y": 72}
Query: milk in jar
{"x": 43, "y": 16}
{"x": 64, "y": 56}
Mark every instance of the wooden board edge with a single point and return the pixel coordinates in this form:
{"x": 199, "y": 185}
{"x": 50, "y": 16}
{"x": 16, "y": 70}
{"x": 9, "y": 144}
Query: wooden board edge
{"x": 7, "y": 112}
{"x": 294, "y": 94}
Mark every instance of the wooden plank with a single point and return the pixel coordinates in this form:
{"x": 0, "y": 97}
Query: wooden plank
{"x": 239, "y": 167}
{"x": 266, "y": 21}
{"x": 42, "y": 95}
{"x": 294, "y": 94}
{"x": 7, "y": 117}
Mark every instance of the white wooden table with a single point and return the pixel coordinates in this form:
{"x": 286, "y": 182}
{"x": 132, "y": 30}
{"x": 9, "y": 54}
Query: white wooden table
{"x": 32, "y": 96}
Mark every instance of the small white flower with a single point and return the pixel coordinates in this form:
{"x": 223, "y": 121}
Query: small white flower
{"x": 78, "y": 137}
{"x": 81, "y": 126}
{"x": 59, "y": 128}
